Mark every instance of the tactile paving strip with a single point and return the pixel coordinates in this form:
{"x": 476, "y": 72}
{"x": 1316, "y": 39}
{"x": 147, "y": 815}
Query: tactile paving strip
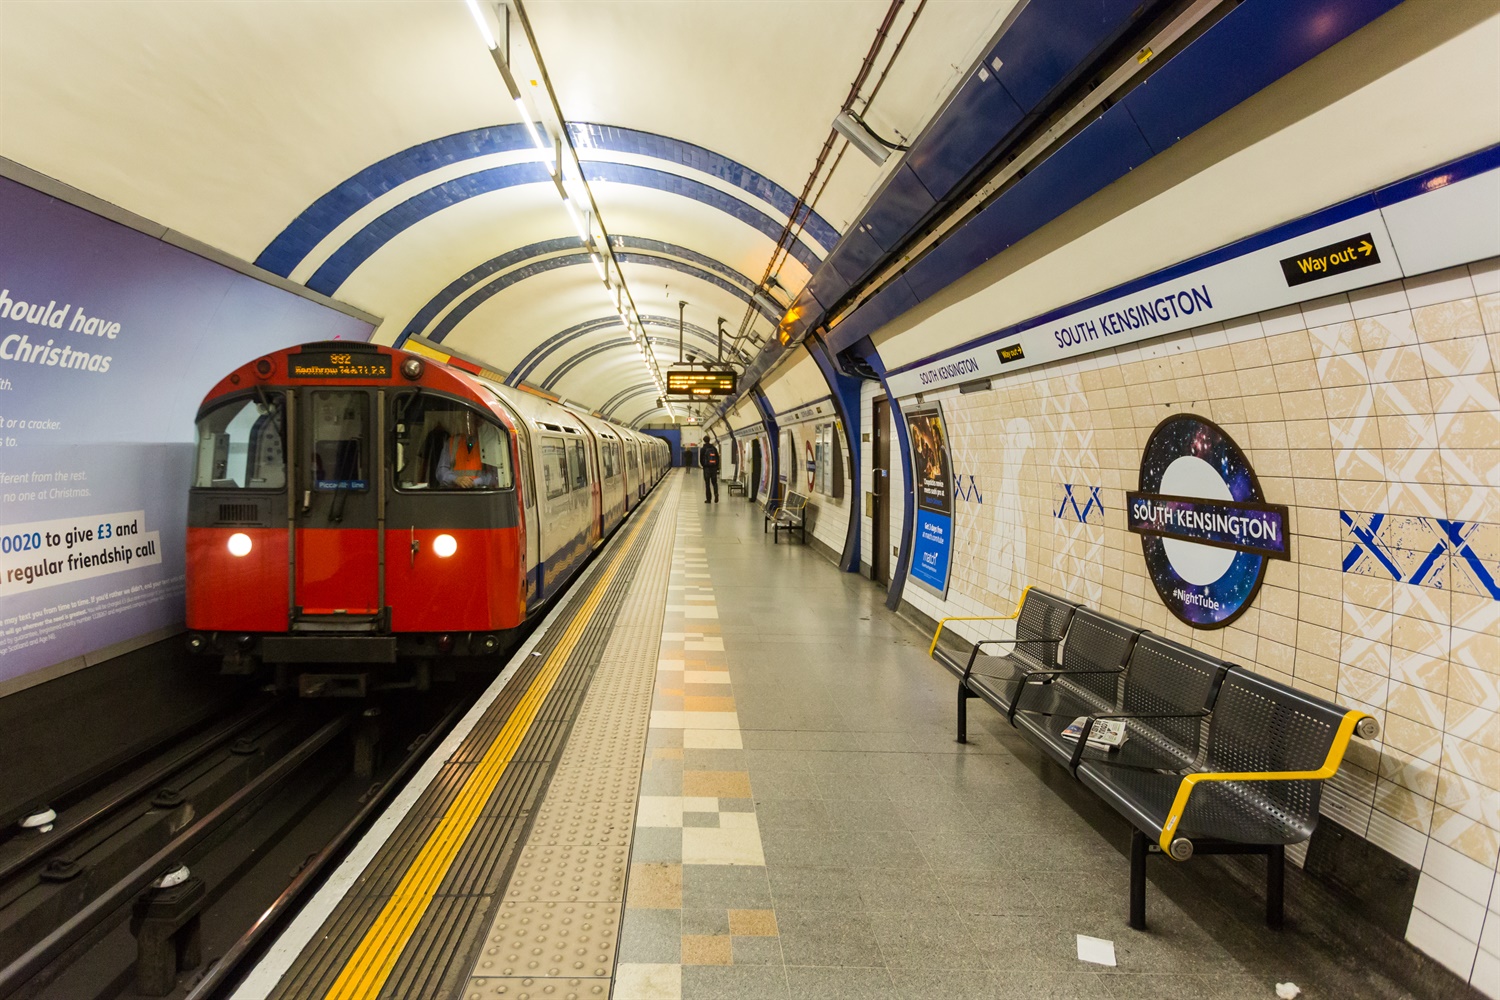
{"x": 436, "y": 959}
{"x": 578, "y": 851}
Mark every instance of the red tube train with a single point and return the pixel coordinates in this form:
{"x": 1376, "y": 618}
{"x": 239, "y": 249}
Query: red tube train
{"x": 386, "y": 512}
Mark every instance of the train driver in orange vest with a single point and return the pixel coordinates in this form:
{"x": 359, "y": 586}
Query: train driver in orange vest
{"x": 461, "y": 464}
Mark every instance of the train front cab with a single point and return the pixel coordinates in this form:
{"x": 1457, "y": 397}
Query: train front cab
{"x": 326, "y": 524}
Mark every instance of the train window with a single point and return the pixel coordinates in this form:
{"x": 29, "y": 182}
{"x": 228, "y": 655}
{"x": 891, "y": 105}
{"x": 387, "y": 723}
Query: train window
{"x": 340, "y": 429}
{"x": 554, "y": 466}
{"x": 443, "y": 444}
{"x": 242, "y": 445}
{"x": 578, "y": 464}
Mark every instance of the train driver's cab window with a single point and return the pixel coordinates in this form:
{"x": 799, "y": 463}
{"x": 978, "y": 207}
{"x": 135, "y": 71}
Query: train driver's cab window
{"x": 242, "y": 445}
{"x": 443, "y": 444}
{"x": 340, "y": 421}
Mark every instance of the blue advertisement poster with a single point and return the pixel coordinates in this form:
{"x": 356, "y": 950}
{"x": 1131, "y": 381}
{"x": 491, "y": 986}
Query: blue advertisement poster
{"x": 108, "y": 340}
{"x": 932, "y": 473}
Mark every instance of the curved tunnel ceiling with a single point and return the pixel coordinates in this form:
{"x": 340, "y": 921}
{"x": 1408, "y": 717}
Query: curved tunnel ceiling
{"x": 371, "y": 152}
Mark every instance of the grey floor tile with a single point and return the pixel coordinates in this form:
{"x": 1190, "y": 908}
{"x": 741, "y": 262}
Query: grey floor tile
{"x": 735, "y": 982}
{"x": 697, "y": 819}
{"x": 713, "y": 760}
{"x": 845, "y": 786}
{"x": 1032, "y": 943}
{"x": 901, "y": 889}
{"x": 1149, "y": 986}
{"x": 810, "y": 983}
{"x": 705, "y": 920}
{"x": 733, "y": 887}
{"x": 813, "y": 888}
{"x": 828, "y": 937}
{"x": 854, "y": 814}
{"x": 657, "y": 845}
{"x": 783, "y": 785}
{"x": 933, "y": 939}
{"x": 1052, "y": 985}
{"x": 653, "y": 936}
{"x": 757, "y": 950}
{"x": 938, "y": 984}
{"x": 792, "y": 814}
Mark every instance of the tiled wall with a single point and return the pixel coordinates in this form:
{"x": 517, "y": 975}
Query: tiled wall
{"x": 1375, "y": 417}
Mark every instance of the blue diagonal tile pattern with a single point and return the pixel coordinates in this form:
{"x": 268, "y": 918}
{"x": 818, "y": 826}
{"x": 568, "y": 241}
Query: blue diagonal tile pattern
{"x": 1069, "y": 508}
{"x": 1427, "y": 551}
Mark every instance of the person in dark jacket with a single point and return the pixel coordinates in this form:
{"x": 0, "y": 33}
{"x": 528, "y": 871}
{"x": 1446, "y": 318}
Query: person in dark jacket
{"x": 708, "y": 459}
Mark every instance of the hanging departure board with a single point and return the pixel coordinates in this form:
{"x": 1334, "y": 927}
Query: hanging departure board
{"x": 688, "y": 382}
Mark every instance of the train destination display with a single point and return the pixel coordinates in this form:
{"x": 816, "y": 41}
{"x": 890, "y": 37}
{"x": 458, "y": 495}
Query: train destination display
{"x": 688, "y": 382}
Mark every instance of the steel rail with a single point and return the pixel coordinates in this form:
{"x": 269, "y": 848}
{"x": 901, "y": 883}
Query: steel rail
{"x": 45, "y": 951}
{"x": 64, "y": 832}
{"x": 221, "y": 971}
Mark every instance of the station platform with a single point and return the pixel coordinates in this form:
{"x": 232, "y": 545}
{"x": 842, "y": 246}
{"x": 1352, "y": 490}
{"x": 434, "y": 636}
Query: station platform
{"x": 723, "y": 769}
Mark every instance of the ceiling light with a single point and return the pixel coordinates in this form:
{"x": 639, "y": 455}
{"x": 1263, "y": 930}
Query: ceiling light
{"x": 583, "y": 230}
{"x": 484, "y": 26}
{"x": 599, "y": 266}
{"x": 848, "y": 125}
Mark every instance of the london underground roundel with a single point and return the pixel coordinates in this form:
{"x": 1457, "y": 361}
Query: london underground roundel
{"x": 1206, "y": 530}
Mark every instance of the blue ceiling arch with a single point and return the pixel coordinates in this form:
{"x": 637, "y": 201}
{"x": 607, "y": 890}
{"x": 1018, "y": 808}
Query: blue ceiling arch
{"x": 622, "y": 399}
{"x": 557, "y": 341}
{"x": 504, "y": 281}
{"x": 360, "y": 247}
{"x": 576, "y": 359}
{"x": 511, "y": 258}
{"x": 620, "y": 396}
{"x": 288, "y": 249}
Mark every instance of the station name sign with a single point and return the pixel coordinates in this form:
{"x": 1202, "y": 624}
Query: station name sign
{"x": 337, "y": 364}
{"x": 1259, "y": 528}
{"x": 689, "y": 382}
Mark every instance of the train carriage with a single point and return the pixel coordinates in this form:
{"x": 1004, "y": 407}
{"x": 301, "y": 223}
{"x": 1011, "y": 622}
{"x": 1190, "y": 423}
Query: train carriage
{"x": 369, "y": 507}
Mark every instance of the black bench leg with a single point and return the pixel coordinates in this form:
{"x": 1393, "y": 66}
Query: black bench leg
{"x": 1275, "y": 885}
{"x": 963, "y": 712}
{"x": 1139, "y": 847}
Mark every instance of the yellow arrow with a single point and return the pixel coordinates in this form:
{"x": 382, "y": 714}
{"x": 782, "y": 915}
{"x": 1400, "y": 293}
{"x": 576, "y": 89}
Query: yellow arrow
{"x": 1365, "y": 248}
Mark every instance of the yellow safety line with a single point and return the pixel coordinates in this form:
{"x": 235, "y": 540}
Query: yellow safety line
{"x": 1330, "y": 767}
{"x": 368, "y": 968}
{"x": 976, "y": 618}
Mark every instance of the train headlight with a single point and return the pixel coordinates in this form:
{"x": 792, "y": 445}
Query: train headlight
{"x": 444, "y": 546}
{"x": 239, "y": 544}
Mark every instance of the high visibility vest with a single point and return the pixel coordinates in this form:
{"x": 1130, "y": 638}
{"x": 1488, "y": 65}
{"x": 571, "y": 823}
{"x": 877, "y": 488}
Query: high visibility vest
{"x": 465, "y": 456}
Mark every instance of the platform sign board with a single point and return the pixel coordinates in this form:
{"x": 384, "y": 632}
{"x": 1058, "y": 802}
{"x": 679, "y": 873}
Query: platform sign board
{"x": 1206, "y": 529}
{"x": 932, "y": 473}
{"x": 694, "y": 382}
{"x": 109, "y": 338}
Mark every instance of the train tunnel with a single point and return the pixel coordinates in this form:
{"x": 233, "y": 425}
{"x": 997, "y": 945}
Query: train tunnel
{"x": 823, "y": 499}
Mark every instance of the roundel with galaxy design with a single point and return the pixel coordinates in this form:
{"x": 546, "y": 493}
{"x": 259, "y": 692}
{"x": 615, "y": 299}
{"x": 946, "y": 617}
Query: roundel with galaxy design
{"x": 1206, "y": 530}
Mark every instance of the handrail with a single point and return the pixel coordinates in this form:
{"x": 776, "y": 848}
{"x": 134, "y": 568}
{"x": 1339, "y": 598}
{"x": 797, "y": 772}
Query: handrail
{"x": 976, "y": 618}
{"x": 1330, "y": 767}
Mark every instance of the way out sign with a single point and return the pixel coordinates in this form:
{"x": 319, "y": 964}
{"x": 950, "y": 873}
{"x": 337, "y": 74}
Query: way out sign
{"x": 1336, "y": 258}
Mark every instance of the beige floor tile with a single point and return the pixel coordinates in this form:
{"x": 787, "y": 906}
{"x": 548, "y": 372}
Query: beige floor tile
{"x": 707, "y": 949}
{"x": 753, "y": 923}
{"x": 642, "y": 981}
{"x": 721, "y": 784}
{"x": 654, "y": 887}
{"x": 712, "y": 739}
{"x": 708, "y": 846}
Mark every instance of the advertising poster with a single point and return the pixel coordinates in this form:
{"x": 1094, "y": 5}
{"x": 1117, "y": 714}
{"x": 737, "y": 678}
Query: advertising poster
{"x": 932, "y": 473}
{"x": 108, "y": 341}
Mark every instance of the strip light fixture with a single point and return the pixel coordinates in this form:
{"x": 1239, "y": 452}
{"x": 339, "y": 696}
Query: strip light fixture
{"x": 566, "y": 171}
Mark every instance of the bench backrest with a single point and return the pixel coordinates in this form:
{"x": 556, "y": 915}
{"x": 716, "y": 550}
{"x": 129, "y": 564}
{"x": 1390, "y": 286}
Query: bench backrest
{"x": 1261, "y": 725}
{"x": 1042, "y": 616}
{"x": 796, "y": 501}
{"x": 1166, "y": 676}
{"x": 1097, "y": 641}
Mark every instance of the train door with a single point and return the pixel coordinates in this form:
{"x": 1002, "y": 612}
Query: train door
{"x": 337, "y": 564}
{"x": 754, "y": 490}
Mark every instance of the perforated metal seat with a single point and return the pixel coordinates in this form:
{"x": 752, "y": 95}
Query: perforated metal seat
{"x": 1042, "y": 623}
{"x": 1255, "y": 786}
{"x": 1094, "y": 657}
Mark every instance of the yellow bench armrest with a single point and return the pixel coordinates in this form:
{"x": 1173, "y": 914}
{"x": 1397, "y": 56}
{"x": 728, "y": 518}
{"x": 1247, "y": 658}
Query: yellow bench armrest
{"x": 975, "y": 618}
{"x": 1330, "y": 767}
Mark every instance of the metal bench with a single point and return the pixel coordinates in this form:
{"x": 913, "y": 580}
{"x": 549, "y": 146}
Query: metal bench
{"x": 790, "y": 515}
{"x": 737, "y": 486}
{"x": 1254, "y": 790}
{"x": 1257, "y": 763}
{"x": 1041, "y": 622}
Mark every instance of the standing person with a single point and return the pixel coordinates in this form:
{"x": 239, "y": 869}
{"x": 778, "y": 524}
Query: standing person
{"x": 708, "y": 458}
